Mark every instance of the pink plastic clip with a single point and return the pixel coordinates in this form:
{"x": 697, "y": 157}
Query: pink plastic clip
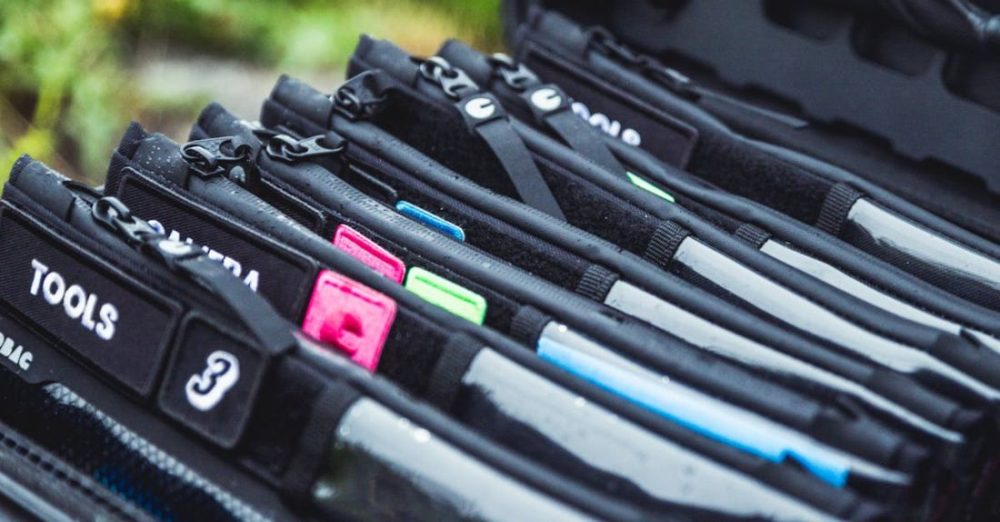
{"x": 369, "y": 253}
{"x": 350, "y": 316}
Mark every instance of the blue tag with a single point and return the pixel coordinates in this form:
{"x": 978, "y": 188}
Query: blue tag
{"x": 437, "y": 223}
{"x": 695, "y": 412}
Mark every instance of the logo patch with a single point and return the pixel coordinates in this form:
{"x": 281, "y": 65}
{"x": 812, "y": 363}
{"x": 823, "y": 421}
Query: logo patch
{"x": 480, "y": 108}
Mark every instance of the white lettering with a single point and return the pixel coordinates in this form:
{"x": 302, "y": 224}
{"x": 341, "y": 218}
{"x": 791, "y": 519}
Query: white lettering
{"x": 76, "y": 302}
{"x": 19, "y": 356}
{"x": 252, "y": 278}
{"x": 613, "y": 128}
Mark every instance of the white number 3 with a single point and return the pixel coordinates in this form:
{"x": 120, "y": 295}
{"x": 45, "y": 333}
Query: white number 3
{"x": 222, "y": 370}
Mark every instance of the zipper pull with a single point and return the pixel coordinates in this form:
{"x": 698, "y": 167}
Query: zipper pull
{"x": 516, "y": 75}
{"x": 115, "y": 216}
{"x": 191, "y": 261}
{"x": 454, "y": 82}
{"x": 291, "y": 150}
{"x": 228, "y": 156}
{"x": 362, "y": 96}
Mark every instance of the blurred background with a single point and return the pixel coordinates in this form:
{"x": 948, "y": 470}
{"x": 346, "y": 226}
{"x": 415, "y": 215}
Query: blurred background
{"x": 73, "y": 73}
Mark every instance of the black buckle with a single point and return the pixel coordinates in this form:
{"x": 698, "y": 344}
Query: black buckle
{"x": 359, "y": 97}
{"x": 110, "y": 212}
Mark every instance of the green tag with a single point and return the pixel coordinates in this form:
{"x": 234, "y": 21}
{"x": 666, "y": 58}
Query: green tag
{"x": 441, "y": 292}
{"x": 648, "y": 186}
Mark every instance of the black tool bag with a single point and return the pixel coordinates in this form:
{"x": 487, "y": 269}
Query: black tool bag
{"x": 563, "y": 257}
{"x": 666, "y": 234}
{"x": 234, "y": 368}
{"x": 825, "y": 257}
{"x": 488, "y": 235}
{"x": 840, "y": 202}
{"x": 317, "y": 182}
{"x": 501, "y": 392}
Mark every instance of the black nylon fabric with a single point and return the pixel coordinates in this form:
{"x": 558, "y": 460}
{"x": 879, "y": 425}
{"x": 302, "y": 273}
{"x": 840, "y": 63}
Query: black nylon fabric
{"x": 778, "y": 180}
{"x": 567, "y": 183}
{"x": 570, "y": 237}
{"x": 279, "y": 116}
{"x": 451, "y": 432}
{"x": 860, "y": 152}
{"x": 503, "y": 78}
{"x": 484, "y": 231}
{"x": 419, "y": 367}
{"x": 275, "y": 274}
{"x": 112, "y": 455}
{"x": 410, "y": 351}
{"x": 906, "y": 393}
{"x": 740, "y": 398}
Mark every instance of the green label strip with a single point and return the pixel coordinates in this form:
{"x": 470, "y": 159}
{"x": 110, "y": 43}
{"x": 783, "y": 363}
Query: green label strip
{"x": 441, "y": 292}
{"x": 648, "y": 186}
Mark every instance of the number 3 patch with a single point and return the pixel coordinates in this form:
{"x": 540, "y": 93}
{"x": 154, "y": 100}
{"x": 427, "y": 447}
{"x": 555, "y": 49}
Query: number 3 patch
{"x": 205, "y": 390}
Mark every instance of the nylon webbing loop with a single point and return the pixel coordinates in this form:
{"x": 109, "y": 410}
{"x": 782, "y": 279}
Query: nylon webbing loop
{"x": 487, "y": 119}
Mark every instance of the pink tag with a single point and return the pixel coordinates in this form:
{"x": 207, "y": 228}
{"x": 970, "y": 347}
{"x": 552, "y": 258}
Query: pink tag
{"x": 350, "y": 316}
{"x": 369, "y": 253}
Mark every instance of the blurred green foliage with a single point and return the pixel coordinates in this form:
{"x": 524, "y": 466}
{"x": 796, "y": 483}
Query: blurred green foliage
{"x": 65, "y": 86}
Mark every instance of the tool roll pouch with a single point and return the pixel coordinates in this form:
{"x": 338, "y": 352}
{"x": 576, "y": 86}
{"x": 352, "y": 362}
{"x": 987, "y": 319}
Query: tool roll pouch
{"x": 794, "y": 243}
{"x": 817, "y": 193}
{"x": 295, "y": 459}
{"x": 215, "y": 118}
{"x": 298, "y": 106}
{"x": 922, "y": 98}
{"x": 473, "y": 402}
{"x": 473, "y": 383}
{"x": 426, "y": 355}
{"x": 328, "y": 188}
{"x": 596, "y": 200}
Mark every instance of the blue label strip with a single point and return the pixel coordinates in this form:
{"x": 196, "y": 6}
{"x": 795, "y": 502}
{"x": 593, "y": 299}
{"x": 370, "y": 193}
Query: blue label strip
{"x": 695, "y": 415}
{"x": 437, "y": 223}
